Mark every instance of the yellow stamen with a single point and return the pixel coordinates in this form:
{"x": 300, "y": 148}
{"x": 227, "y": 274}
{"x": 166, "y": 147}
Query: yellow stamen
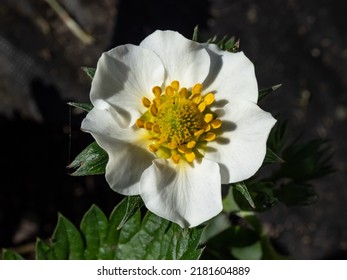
{"x": 183, "y": 92}
{"x": 148, "y": 125}
{"x": 206, "y": 127}
{"x": 153, "y": 148}
{"x": 140, "y": 123}
{"x": 208, "y": 118}
{"x": 154, "y": 110}
{"x": 175, "y": 85}
{"x": 176, "y": 158}
{"x": 209, "y": 136}
{"x": 196, "y": 98}
{"x": 157, "y": 101}
{"x": 155, "y": 128}
{"x": 191, "y": 144}
{"x": 216, "y": 123}
{"x": 190, "y": 156}
{"x": 169, "y": 92}
{"x": 209, "y": 98}
{"x": 198, "y": 133}
{"x": 197, "y": 88}
{"x": 156, "y": 91}
{"x": 202, "y": 106}
{"x": 182, "y": 149}
{"x": 146, "y": 102}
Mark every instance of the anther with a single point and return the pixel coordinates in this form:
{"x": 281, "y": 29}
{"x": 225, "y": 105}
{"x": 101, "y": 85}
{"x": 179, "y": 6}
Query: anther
{"x": 156, "y": 91}
{"x": 175, "y": 85}
{"x": 209, "y": 98}
{"x": 202, "y": 106}
{"x": 157, "y": 101}
{"x": 146, "y": 102}
{"x": 196, "y": 98}
{"x": 197, "y": 88}
{"x": 176, "y": 158}
{"x": 169, "y": 91}
{"x": 153, "y": 148}
{"x": 154, "y": 110}
{"x": 199, "y": 132}
{"x": 140, "y": 123}
{"x": 183, "y": 92}
{"x": 190, "y": 156}
{"x": 208, "y": 118}
{"x": 216, "y": 123}
{"x": 155, "y": 128}
{"x": 148, "y": 125}
{"x": 206, "y": 127}
{"x": 209, "y": 136}
{"x": 191, "y": 144}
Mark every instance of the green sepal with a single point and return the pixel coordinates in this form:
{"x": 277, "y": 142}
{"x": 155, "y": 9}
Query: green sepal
{"x": 242, "y": 188}
{"x": 272, "y": 157}
{"x": 91, "y": 161}
{"x": 83, "y": 106}
{"x": 264, "y": 92}
{"x": 196, "y": 34}
{"x": 89, "y": 71}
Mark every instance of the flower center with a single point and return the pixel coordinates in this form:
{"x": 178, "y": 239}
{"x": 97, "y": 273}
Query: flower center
{"x": 179, "y": 121}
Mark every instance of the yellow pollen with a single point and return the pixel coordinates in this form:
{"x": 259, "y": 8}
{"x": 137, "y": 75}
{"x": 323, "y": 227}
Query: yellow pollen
{"x": 208, "y": 118}
{"x": 197, "y": 88}
{"x": 146, "y": 102}
{"x": 156, "y": 91}
{"x": 209, "y": 98}
{"x": 179, "y": 121}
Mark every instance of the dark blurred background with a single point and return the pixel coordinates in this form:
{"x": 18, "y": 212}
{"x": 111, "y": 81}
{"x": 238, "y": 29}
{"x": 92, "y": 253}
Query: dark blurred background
{"x": 301, "y": 44}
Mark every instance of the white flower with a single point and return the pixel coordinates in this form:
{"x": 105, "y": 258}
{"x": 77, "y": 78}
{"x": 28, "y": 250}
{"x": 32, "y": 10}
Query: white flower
{"x": 177, "y": 119}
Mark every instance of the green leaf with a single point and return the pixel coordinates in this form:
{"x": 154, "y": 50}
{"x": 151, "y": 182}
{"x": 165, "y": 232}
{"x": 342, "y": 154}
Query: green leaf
{"x": 296, "y": 194}
{"x": 271, "y": 157}
{"x": 265, "y": 92}
{"x": 91, "y": 161}
{"x": 11, "y": 255}
{"x": 67, "y": 242}
{"x": 89, "y": 71}
{"x": 148, "y": 237}
{"x": 242, "y": 188}
{"x": 83, "y": 106}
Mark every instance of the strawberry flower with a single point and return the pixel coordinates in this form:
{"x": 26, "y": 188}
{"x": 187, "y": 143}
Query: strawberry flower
{"x": 177, "y": 119}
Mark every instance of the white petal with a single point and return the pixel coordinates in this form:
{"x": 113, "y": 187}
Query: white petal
{"x": 123, "y": 76}
{"x": 181, "y": 193}
{"x": 110, "y": 123}
{"x": 232, "y": 76}
{"x": 125, "y": 165}
{"x": 184, "y": 60}
{"x": 241, "y": 148}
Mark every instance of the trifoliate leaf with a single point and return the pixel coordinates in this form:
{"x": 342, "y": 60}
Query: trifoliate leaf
{"x": 265, "y": 92}
{"x": 91, "y": 161}
{"x": 89, "y": 71}
{"x": 148, "y": 237}
{"x": 83, "y": 106}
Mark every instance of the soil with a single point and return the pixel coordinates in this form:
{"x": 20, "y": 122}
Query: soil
{"x": 301, "y": 44}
